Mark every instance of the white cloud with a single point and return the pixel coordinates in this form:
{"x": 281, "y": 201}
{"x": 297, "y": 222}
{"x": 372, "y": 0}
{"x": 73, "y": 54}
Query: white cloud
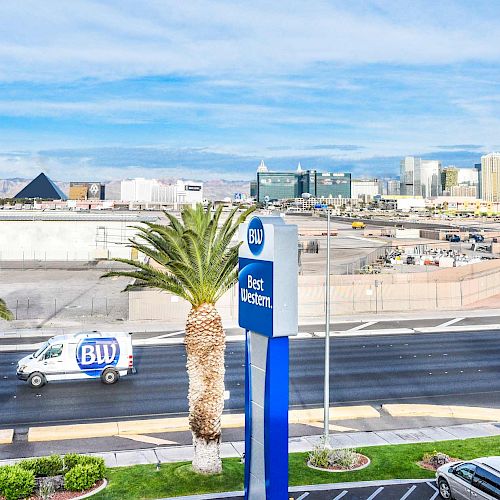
{"x": 117, "y": 39}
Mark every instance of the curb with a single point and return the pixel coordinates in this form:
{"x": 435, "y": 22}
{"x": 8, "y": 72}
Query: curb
{"x": 312, "y": 487}
{"x": 179, "y": 424}
{"x": 459, "y": 412}
{"x": 93, "y": 492}
{"x": 6, "y": 436}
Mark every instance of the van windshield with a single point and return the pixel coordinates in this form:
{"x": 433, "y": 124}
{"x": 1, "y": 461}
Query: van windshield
{"x": 42, "y": 348}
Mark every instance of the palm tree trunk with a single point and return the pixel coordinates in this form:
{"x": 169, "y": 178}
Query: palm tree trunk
{"x": 205, "y": 345}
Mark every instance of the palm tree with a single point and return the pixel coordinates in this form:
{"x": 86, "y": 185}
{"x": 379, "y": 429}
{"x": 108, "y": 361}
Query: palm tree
{"x": 196, "y": 261}
{"x": 4, "y": 311}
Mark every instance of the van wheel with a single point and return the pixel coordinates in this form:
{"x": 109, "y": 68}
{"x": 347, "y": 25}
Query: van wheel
{"x": 36, "y": 380}
{"x": 109, "y": 376}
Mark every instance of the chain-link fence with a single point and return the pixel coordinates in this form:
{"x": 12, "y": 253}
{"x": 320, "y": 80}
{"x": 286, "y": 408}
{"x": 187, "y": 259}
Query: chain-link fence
{"x": 84, "y": 309}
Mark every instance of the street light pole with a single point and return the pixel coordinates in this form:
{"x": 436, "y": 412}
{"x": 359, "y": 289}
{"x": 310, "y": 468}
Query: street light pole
{"x": 326, "y": 418}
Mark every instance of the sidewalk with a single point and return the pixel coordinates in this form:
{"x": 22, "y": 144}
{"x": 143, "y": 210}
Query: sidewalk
{"x": 168, "y": 454}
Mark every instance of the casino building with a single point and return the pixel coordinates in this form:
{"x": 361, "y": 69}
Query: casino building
{"x": 273, "y": 186}
{"x": 87, "y": 191}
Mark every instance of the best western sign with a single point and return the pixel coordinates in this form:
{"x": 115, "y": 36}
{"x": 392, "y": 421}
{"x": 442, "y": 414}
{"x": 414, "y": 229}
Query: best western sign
{"x": 267, "y": 273}
{"x": 268, "y": 267}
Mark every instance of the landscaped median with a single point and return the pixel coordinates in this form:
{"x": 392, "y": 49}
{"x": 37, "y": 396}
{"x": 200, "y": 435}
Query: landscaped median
{"x": 387, "y": 462}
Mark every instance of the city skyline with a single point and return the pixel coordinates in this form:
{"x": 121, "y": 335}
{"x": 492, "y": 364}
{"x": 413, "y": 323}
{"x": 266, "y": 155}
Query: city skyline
{"x": 205, "y": 90}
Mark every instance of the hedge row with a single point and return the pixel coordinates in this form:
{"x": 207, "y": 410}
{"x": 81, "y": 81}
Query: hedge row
{"x": 81, "y": 472}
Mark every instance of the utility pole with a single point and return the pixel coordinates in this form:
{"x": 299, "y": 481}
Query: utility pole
{"x": 326, "y": 418}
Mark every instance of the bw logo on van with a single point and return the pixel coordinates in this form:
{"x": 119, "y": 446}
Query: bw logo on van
{"x": 93, "y": 355}
{"x": 255, "y": 236}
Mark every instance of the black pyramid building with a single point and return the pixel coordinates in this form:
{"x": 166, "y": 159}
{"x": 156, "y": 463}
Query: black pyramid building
{"x": 41, "y": 187}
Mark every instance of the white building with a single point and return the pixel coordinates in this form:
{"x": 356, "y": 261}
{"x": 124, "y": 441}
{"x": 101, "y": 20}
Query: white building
{"x": 468, "y": 176}
{"x": 430, "y": 178}
{"x": 364, "y": 188}
{"x": 420, "y": 177}
{"x": 155, "y": 192}
{"x": 138, "y": 189}
{"x": 490, "y": 177}
{"x": 189, "y": 192}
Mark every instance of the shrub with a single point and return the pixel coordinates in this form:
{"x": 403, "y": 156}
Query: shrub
{"x": 71, "y": 460}
{"x": 82, "y": 477}
{"x": 16, "y": 482}
{"x": 319, "y": 457}
{"x": 346, "y": 458}
{"x": 43, "y": 466}
{"x": 325, "y": 457}
{"x": 436, "y": 458}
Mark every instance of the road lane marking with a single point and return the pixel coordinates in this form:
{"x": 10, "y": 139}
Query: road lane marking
{"x": 448, "y": 323}
{"x": 362, "y": 326}
{"x": 146, "y": 439}
{"x": 409, "y": 492}
{"x": 306, "y": 494}
{"x": 340, "y": 495}
{"x": 375, "y": 493}
{"x": 166, "y": 335}
{"x": 435, "y": 489}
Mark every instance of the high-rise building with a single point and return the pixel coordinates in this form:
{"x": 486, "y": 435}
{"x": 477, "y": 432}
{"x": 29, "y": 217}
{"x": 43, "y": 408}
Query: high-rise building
{"x": 365, "y": 188}
{"x": 420, "y": 177}
{"x": 468, "y": 176}
{"x": 393, "y": 187}
{"x": 449, "y": 178}
{"x": 277, "y": 186}
{"x": 477, "y": 168}
{"x": 253, "y": 189}
{"x": 409, "y": 169}
{"x": 285, "y": 185}
{"x": 333, "y": 185}
{"x": 490, "y": 177}
{"x": 430, "y": 181}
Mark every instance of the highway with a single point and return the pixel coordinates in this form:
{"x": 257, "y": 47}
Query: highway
{"x": 457, "y": 368}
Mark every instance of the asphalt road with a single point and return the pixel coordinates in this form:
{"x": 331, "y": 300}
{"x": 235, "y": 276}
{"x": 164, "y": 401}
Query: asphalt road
{"x": 458, "y": 368}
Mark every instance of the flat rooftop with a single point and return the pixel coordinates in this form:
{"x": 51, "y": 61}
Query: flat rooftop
{"x": 77, "y": 216}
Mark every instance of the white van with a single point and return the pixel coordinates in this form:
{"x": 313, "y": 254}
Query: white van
{"x": 87, "y": 355}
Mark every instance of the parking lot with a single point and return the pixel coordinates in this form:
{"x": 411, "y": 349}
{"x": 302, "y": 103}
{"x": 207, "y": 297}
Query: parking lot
{"x": 421, "y": 489}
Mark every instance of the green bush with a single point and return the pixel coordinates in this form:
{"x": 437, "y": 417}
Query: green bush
{"x": 43, "y": 466}
{"x": 71, "y": 460}
{"x": 82, "y": 477}
{"x": 16, "y": 482}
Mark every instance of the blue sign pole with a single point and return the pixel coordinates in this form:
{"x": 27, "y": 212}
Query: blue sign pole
{"x": 268, "y": 268}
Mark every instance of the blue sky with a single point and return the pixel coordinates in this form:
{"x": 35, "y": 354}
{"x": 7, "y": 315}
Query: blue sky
{"x": 205, "y": 89}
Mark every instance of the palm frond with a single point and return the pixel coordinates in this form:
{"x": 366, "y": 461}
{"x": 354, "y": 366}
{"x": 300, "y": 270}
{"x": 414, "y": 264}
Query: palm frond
{"x": 195, "y": 256}
{"x": 5, "y": 312}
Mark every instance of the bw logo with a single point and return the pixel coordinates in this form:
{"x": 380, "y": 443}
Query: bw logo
{"x": 255, "y": 236}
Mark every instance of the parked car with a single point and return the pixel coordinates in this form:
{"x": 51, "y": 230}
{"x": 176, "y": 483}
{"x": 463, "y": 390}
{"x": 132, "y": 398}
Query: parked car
{"x": 478, "y": 238}
{"x": 475, "y": 479}
{"x": 453, "y": 238}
